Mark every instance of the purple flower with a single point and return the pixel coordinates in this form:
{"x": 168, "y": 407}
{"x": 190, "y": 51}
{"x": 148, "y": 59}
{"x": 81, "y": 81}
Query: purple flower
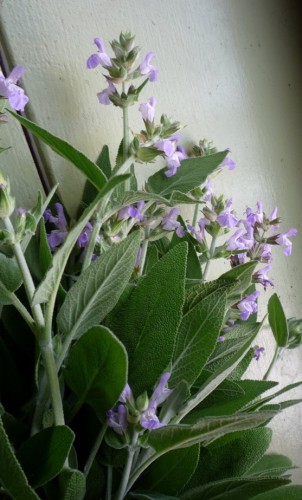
{"x": 261, "y": 277}
{"x": 241, "y": 240}
{"x": 248, "y": 305}
{"x": 253, "y": 217}
{"x": 208, "y": 190}
{"x": 199, "y": 235}
{"x": 283, "y": 240}
{"x": 258, "y": 352}
{"x": 8, "y": 89}
{"x": 265, "y": 253}
{"x": 103, "y": 96}
{"x": 85, "y": 236}
{"x": 57, "y": 236}
{"x": 132, "y": 212}
{"x": 147, "y": 69}
{"x": 221, "y": 338}
{"x": 126, "y": 394}
{"x": 117, "y": 419}
{"x": 227, "y": 218}
{"x": 238, "y": 259}
{"x": 228, "y": 162}
{"x": 149, "y": 419}
{"x": 147, "y": 109}
{"x": 169, "y": 223}
{"x": 101, "y": 57}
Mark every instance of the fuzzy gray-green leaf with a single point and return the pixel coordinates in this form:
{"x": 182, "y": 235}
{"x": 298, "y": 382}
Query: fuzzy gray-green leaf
{"x": 98, "y": 288}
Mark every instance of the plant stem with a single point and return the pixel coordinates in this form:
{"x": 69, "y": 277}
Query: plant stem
{"x": 53, "y": 381}
{"x": 95, "y": 449}
{"x": 144, "y": 251}
{"x": 211, "y": 254}
{"x": 275, "y": 357}
{"x": 91, "y": 244}
{"x": 127, "y": 469}
{"x": 196, "y": 210}
{"x": 23, "y": 312}
{"x": 27, "y": 279}
{"x": 109, "y": 482}
{"x": 126, "y": 138}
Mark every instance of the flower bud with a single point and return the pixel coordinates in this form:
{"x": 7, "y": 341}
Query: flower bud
{"x": 142, "y": 402}
{"x": 7, "y": 202}
{"x": 126, "y": 41}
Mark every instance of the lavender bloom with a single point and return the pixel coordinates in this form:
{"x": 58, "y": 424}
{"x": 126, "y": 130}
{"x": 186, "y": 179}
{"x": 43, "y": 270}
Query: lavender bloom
{"x": 209, "y": 190}
{"x": 103, "y": 96}
{"x": 221, "y": 338}
{"x": 101, "y": 57}
{"x": 170, "y": 224}
{"x": 238, "y": 259}
{"x": 265, "y": 253}
{"x": 199, "y": 235}
{"x": 57, "y": 236}
{"x": 227, "y": 218}
{"x": 228, "y": 162}
{"x": 8, "y": 89}
{"x": 253, "y": 217}
{"x": 117, "y": 419}
{"x": 248, "y": 305}
{"x": 261, "y": 277}
{"x": 147, "y": 109}
{"x": 126, "y": 394}
{"x": 149, "y": 420}
{"x": 258, "y": 352}
{"x": 85, "y": 236}
{"x": 132, "y": 212}
{"x": 241, "y": 240}
{"x": 147, "y": 69}
{"x": 283, "y": 240}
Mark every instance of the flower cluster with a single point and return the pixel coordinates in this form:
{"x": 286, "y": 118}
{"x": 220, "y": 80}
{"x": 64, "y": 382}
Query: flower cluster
{"x": 121, "y": 68}
{"x": 140, "y": 412}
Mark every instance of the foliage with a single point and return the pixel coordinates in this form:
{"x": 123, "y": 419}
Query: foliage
{"x": 122, "y": 367}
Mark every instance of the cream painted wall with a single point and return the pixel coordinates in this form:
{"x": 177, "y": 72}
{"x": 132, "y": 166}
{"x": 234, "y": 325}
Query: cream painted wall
{"x": 230, "y": 70}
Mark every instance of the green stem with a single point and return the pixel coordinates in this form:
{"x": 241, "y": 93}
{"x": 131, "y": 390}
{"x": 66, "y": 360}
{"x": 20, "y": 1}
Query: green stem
{"x": 127, "y": 469}
{"x": 211, "y": 254}
{"x": 27, "y": 279}
{"x": 23, "y": 312}
{"x": 91, "y": 244}
{"x": 126, "y": 138}
{"x": 196, "y": 211}
{"x": 144, "y": 251}
{"x": 95, "y": 449}
{"x": 109, "y": 482}
{"x": 53, "y": 381}
{"x": 275, "y": 357}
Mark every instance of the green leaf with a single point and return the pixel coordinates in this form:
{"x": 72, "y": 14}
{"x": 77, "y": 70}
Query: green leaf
{"x": 277, "y": 320}
{"x": 10, "y": 278}
{"x": 103, "y": 162}
{"x": 96, "y": 370}
{"x": 221, "y": 402}
{"x": 171, "y": 437}
{"x": 172, "y": 471}
{"x": 49, "y": 286}
{"x": 12, "y": 476}
{"x": 270, "y": 465}
{"x": 148, "y": 322}
{"x": 38, "y": 212}
{"x": 147, "y": 154}
{"x": 178, "y": 198}
{"x": 193, "y": 264}
{"x": 235, "y": 489}
{"x": 217, "y": 377}
{"x": 98, "y": 288}
{"x": 72, "y": 485}
{"x": 245, "y": 447}
{"x": 196, "y": 339}
{"x": 146, "y": 495}
{"x": 191, "y": 174}
{"x": 43, "y": 455}
{"x": 243, "y": 275}
{"x": 93, "y": 173}
{"x": 292, "y": 492}
{"x": 197, "y": 293}
{"x": 253, "y": 406}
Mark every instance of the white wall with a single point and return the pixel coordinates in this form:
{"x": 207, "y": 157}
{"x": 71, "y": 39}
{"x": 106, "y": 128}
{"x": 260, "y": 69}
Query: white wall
{"x": 229, "y": 70}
